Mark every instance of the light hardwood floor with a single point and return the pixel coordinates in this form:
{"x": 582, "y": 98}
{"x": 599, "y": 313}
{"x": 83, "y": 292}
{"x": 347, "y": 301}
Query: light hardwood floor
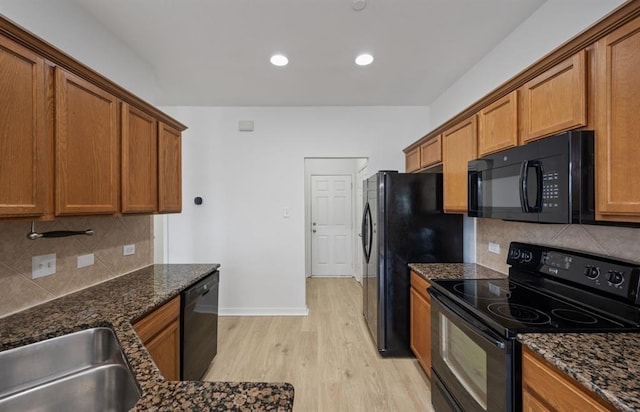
{"x": 328, "y": 356}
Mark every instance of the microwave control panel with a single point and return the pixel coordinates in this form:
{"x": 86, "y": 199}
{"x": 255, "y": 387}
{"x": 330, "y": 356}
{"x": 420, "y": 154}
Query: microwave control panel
{"x": 550, "y": 190}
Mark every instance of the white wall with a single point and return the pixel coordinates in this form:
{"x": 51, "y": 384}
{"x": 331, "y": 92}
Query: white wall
{"x": 555, "y": 22}
{"x": 66, "y": 26}
{"x": 247, "y": 178}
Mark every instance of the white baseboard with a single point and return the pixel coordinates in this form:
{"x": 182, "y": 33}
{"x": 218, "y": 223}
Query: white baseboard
{"x": 302, "y": 311}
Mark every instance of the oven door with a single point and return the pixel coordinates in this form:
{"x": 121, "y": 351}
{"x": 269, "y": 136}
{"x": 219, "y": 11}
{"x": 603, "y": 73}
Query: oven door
{"x": 472, "y": 366}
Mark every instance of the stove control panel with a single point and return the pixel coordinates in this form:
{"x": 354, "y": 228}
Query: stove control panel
{"x": 603, "y": 273}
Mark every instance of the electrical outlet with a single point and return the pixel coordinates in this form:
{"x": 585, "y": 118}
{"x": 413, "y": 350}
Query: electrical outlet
{"x": 85, "y": 260}
{"x": 128, "y": 250}
{"x": 43, "y": 265}
{"x": 494, "y": 248}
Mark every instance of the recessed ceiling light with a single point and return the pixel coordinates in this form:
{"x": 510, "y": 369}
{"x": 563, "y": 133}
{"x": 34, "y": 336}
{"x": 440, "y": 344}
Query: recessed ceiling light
{"x": 364, "y": 59}
{"x": 279, "y": 60}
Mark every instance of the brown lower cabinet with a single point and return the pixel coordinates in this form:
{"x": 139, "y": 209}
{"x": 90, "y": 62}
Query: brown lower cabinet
{"x": 545, "y": 388}
{"x": 420, "y": 305}
{"x": 160, "y": 334}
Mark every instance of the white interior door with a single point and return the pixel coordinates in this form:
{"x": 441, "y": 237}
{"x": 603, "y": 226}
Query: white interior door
{"x": 331, "y": 229}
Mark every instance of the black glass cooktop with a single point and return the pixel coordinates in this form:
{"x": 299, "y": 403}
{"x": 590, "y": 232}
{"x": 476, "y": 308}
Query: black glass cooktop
{"x": 511, "y": 308}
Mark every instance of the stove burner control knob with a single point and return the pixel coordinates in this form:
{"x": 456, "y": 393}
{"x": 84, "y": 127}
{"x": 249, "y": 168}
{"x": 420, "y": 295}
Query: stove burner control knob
{"x": 592, "y": 272}
{"x": 615, "y": 277}
{"x": 527, "y": 256}
{"x": 515, "y": 253}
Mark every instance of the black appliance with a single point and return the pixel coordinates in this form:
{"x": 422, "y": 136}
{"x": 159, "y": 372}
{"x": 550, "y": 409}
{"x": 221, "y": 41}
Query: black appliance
{"x": 402, "y": 222}
{"x": 476, "y": 359}
{"x": 548, "y": 181}
{"x": 199, "y": 327}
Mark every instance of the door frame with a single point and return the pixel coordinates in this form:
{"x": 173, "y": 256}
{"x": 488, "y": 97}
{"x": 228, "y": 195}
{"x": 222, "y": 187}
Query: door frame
{"x": 325, "y": 166}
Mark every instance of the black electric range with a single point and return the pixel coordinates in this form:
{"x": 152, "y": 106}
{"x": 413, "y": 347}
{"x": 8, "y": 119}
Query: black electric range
{"x": 553, "y": 290}
{"x": 474, "y": 322}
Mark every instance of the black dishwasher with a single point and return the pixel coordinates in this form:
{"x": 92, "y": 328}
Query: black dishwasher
{"x": 199, "y": 332}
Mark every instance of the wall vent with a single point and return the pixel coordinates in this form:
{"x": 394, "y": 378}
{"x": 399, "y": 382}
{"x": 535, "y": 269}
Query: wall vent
{"x": 245, "y": 125}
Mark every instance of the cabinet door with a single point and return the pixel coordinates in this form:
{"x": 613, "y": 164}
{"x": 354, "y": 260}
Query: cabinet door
{"x": 617, "y": 98}
{"x": 164, "y": 349}
{"x": 139, "y": 161}
{"x": 169, "y": 169}
{"x": 550, "y": 387}
{"x": 412, "y": 160}
{"x": 498, "y": 125}
{"x": 556, "y": 100}
{"x": 22, "y": 132}
{"x": 159, "y": 331}
{"x": 87, "y": 147}
{"x": 431, "y": 152}
{"x": 458, "y": 147}
{"x": 420, "y": 322}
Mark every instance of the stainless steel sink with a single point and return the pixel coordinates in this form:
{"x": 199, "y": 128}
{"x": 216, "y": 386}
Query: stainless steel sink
{"x": 81, "y": 371}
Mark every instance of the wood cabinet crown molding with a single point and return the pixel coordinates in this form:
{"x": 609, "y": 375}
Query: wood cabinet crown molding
{"x": 619, "y": 17}
{"x": 49, "y": 52}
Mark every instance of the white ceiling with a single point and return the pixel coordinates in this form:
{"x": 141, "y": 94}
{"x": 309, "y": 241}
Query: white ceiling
{"x": 216, "y": 52}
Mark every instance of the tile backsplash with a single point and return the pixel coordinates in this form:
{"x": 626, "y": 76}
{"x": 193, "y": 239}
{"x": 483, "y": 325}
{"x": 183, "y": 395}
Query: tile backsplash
{"x": 19, "y": 291}
{"x": 620, "y": 242}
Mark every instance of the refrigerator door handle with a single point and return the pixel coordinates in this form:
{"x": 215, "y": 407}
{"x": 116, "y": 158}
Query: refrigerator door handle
{"x": 366, "y": 232}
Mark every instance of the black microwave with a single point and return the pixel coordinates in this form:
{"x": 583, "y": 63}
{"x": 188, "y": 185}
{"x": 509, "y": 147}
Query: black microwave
{"x": 547, "y": 181}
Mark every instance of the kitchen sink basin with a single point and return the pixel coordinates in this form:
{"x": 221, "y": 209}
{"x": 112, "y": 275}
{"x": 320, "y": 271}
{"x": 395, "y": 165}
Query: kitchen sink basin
{"x": 81, "y": 371}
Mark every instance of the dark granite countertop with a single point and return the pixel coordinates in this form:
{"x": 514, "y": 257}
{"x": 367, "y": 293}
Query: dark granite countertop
{"x": 607, "y": 364}
{"x": 118, "y": 302}
{"x": 455, "y": 271}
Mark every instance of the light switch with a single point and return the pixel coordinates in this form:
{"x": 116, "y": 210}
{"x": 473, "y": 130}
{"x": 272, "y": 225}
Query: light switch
{"x": 85, "y": 260}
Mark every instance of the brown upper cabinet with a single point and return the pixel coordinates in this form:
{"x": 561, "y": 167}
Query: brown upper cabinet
{"x": 498, "y": 125}
{"x": 431, "y": 152}
{"x": 139, "y": 161}
{"x": 412, "y": 160}
{"x": 169, "y": 169}
{"x": 74, "y": 143}
{"x": 458, "y": 147}
{"x": 617, "y": 134}
{"x": 23, "y": 148}
{"x": 87, "y": 147}
{"x": 555, "y": 100}
{"x": 427, "y": 155}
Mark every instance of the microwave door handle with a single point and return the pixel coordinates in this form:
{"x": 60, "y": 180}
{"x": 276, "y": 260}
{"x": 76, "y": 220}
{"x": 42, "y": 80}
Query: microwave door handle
{"x": 537, "y": 165}
{"x": 524, "y": 194}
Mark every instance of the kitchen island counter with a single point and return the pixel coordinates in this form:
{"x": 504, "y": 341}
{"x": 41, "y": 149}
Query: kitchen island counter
{"x": 117, "y": 303}
{"x": 606, "y": 364}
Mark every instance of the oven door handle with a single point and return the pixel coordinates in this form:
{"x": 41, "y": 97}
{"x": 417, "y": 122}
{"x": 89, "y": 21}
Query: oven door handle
{"x": 481, "y": 331}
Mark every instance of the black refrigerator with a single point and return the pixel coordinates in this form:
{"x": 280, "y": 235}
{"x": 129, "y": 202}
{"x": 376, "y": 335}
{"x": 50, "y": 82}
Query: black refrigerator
{"x": 402, "y": 223}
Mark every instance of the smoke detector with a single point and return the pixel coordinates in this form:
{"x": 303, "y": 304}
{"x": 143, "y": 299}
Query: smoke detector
{"x": 358, "y": 5}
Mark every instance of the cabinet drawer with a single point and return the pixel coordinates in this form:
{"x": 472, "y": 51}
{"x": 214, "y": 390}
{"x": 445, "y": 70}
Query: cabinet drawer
{"x": 154, "y": 322}
{"x": 421, "y": 285}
